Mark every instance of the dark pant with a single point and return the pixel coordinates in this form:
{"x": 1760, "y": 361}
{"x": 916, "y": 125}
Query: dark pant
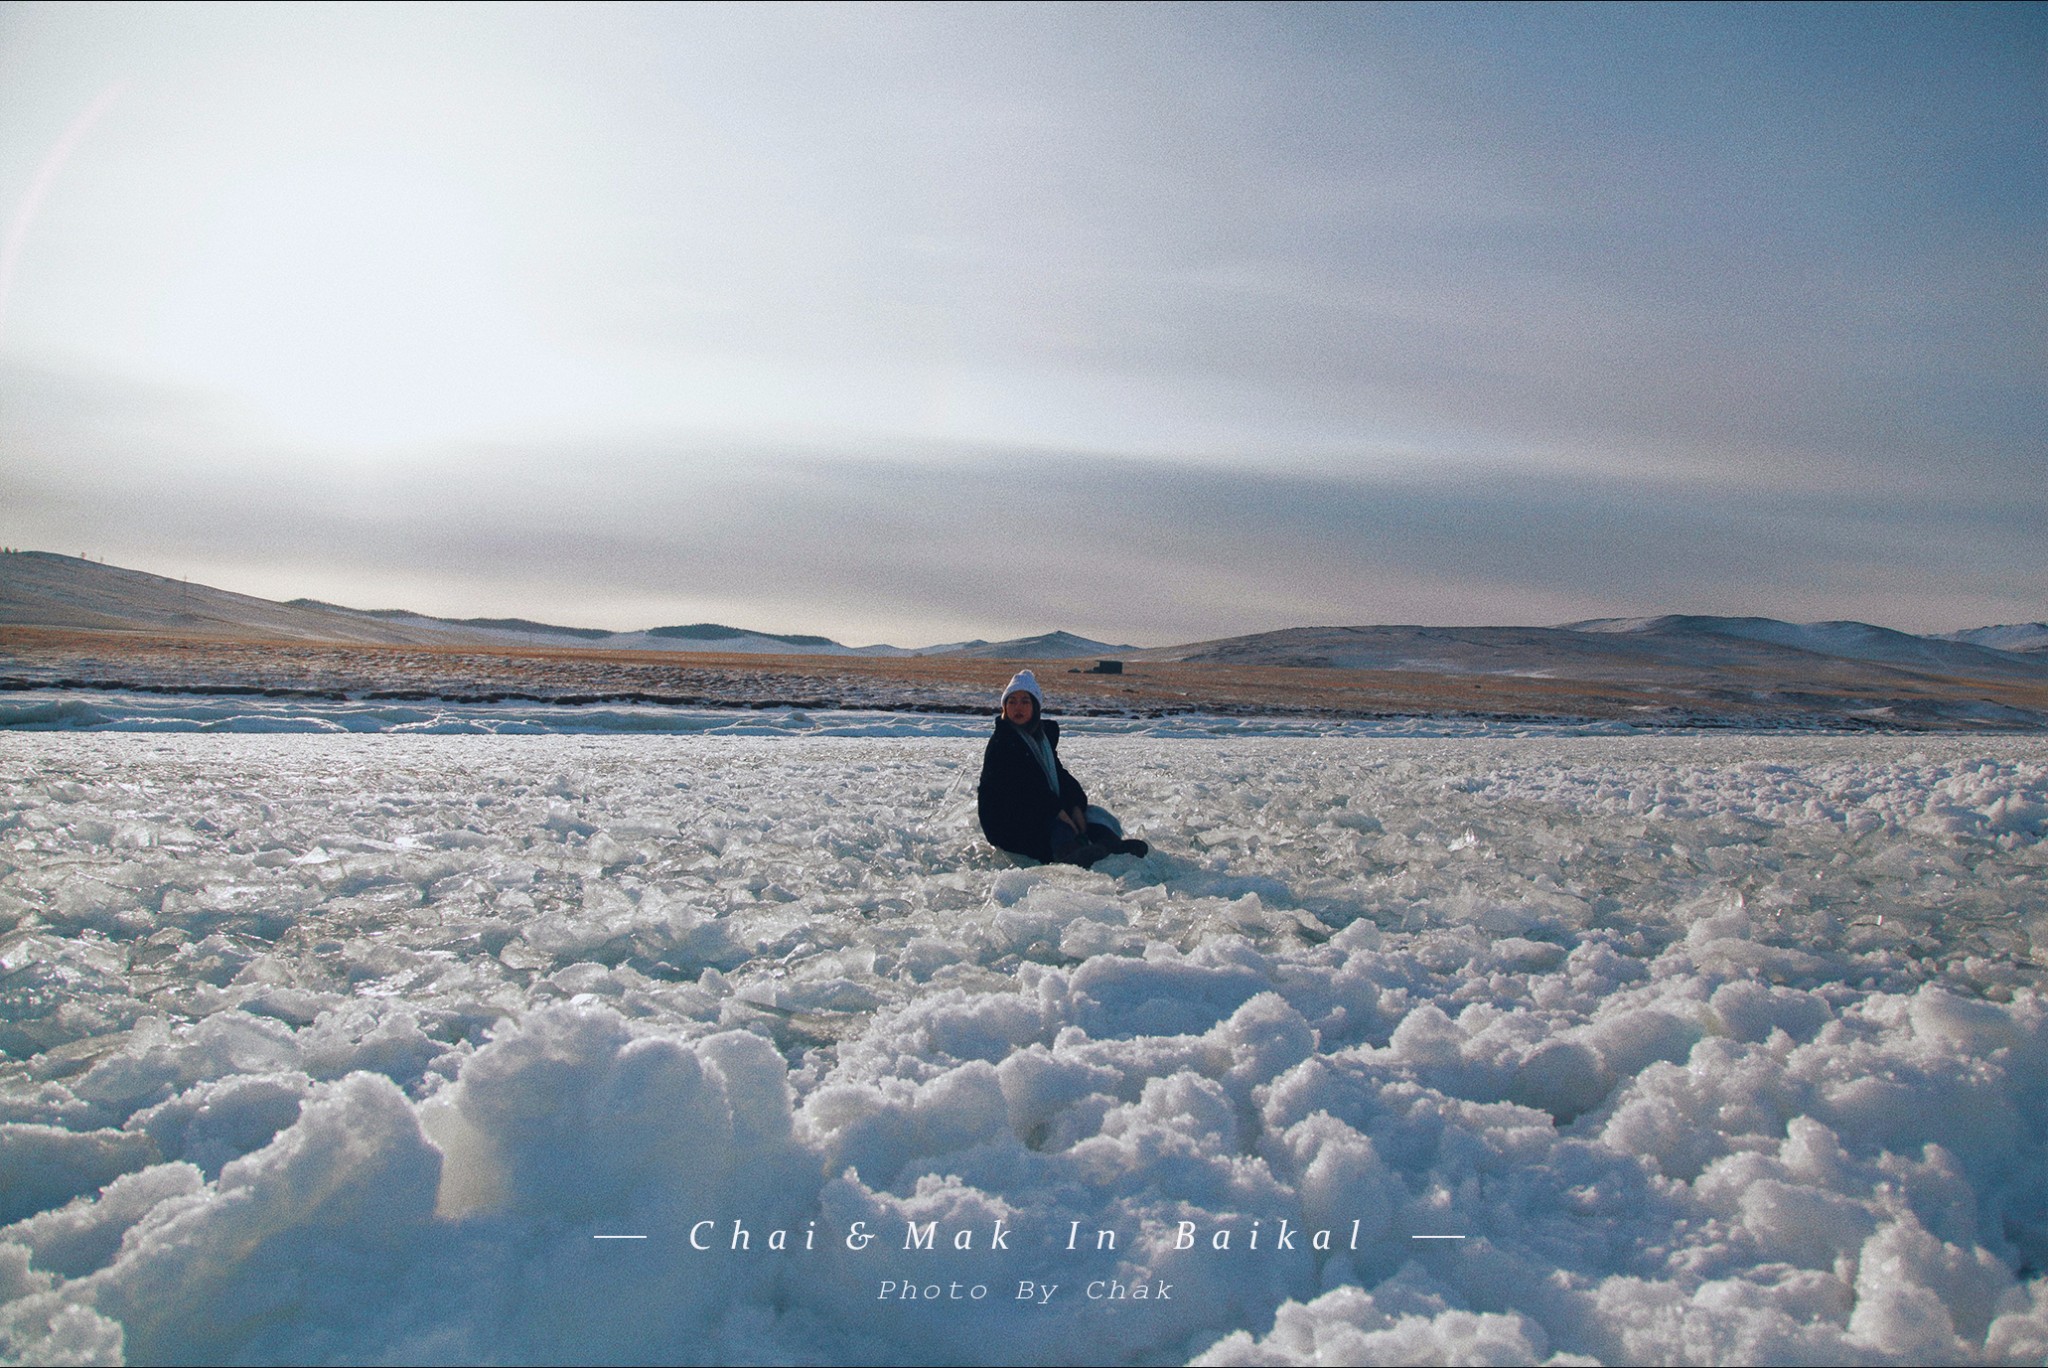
{"x": 1065, "y": 842}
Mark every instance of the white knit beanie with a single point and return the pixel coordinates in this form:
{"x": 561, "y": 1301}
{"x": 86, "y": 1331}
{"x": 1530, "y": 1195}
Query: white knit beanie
{"x": 1023, "y": 682}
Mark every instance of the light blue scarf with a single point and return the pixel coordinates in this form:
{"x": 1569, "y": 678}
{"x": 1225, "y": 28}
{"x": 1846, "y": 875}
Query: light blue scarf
{"x": 1035, "y": 742}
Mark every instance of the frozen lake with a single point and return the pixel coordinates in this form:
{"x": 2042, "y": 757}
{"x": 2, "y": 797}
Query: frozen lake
{"x": 348, "y": 1047}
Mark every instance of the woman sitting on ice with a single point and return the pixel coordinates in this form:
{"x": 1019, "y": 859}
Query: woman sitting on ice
{"x": 1029, "y": 804}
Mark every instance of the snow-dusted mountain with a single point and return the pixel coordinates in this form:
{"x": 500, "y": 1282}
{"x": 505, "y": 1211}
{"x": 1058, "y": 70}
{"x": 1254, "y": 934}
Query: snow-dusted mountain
{"x": 2013, "y": 636}
{"x": 1954, "y": 654}
{"x": 1738, "y": 650}
{"x": 1048, "y": 646}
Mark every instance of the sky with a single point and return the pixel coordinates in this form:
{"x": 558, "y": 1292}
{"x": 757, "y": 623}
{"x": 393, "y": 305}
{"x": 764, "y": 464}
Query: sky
{"x": 1154, "y": 323}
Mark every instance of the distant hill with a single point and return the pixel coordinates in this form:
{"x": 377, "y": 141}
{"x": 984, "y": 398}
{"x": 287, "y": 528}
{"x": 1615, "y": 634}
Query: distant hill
{"x": 1050, "y": 646}
{"x": 45, "y": 590}
{"x": 40, "y": 589}
{"x": 1731, "y": 651}
{"x": 1742, "y": 653}
{"x": 2017, "y": 636}
{"x": 712, "y": 631}
{"x": 1846, "y": 640}
{"x": 521, "y": 625}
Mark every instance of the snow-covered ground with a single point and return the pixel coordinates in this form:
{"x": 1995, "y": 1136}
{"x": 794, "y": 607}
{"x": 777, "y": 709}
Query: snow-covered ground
{"x": 1674, "y": 1049}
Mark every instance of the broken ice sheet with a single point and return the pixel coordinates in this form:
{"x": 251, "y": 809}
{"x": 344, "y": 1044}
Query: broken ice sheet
{"x": 1725, "y": 1047}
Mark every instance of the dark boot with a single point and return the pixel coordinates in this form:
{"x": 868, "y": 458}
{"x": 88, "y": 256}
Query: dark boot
{"x": 1113, "y": 842}
{"x": 1084, "y": 854}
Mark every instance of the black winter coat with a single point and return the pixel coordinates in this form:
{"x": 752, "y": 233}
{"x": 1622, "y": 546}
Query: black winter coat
{"x": 1017, "y": 805}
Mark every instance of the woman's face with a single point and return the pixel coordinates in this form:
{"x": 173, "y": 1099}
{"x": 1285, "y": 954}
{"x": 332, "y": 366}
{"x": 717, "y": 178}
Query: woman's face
{"x": 1019, "y": 708}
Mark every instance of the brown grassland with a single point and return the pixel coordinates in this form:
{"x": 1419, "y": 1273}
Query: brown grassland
{"x": 70, "y": 658}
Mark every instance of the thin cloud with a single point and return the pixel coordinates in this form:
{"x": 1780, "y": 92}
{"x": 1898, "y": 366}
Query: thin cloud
{"x": 1014, "y": 540}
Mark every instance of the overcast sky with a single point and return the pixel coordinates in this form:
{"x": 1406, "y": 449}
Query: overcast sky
{"x": 1153, "y": 323}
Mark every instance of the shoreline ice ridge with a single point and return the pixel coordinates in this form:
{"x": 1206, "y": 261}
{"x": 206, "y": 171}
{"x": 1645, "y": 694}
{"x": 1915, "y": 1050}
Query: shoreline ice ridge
{"x": 172, "y": 709}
